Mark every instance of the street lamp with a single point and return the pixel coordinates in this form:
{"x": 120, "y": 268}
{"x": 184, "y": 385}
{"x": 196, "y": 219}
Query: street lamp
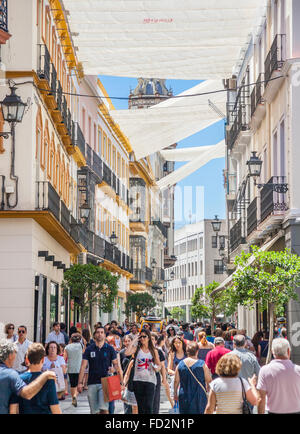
{"x": 153, "y": 264}
{"x": 216, "y": 225}
{"x": 113, "y": 239}
{"x": 13, "y": 109}
{"x": 254, "y": 170}
{"x": 84, "y": 211}
{"x": 172, "y": 275}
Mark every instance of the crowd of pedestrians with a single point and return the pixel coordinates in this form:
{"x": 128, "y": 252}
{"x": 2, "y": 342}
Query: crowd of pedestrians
{"x": 202, "y": 371}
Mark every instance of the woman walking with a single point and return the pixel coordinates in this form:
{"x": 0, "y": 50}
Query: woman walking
{"x": 194, "y": 377}
{"x": 176, "y": 354}
{"x": 146, "y": 363}
{"x": 204, "y": 346}
{"x": 73, "y": 355}
{"x": 226, "y": 391}
{"x": 54, "y": 362}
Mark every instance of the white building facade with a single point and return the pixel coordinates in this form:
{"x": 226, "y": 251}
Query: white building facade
{"x": 199, "y": 263}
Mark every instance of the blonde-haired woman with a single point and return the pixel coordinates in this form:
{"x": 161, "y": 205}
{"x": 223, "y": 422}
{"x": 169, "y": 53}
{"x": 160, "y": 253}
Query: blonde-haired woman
{"x": 204, "y": 346}
{"x": 226, "y": 392}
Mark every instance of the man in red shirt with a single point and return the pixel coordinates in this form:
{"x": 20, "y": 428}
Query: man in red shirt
{"x": 214, "y": 355}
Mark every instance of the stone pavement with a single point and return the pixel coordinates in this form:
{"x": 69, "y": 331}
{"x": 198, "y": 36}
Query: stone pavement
{"x": 83, "y": 404}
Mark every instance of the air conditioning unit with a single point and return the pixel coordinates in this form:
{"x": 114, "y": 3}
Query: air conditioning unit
{"x": 82, "y": 258}
{"x": 230, "y": 83}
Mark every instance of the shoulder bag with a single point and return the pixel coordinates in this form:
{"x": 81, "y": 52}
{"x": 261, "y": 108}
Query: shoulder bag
{"x": 246, "y": 407}
{"x": 200, "y": 384}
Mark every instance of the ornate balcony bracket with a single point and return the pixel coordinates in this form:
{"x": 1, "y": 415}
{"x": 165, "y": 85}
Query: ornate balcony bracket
{"x": 278, "y": 188}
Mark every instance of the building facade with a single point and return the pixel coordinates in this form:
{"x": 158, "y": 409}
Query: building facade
{"x": 263, "y": 118}
{"x": 152, "y": 211}
{"x": 65, "y": 153}
{"x": 198, "y": 264}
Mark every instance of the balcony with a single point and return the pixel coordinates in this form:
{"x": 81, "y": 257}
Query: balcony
{"x": 273, "y": 200}
{"x": 236, "y": 237}
{"x": 139, "y": 276}
{"x": 97, "y": 166}
{"x": 4, "y": 35}
{"x": 252, "y": 217}
{"x": 43, "y": 71}
{"x": 163, "y": 229}
{"x": 78, "y": 138}
{"x": 148, "y": 274}
{"x": 239, "y": 129}
{"x": 109, "y": 251}
{"x": 273, "y": 65}
{"x": 107, "y": 174}
{"x": 88, "y": 155}
{"x": 258, "y": 108}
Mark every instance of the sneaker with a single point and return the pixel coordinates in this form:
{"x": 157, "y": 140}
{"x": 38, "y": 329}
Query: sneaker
{"x": 74, "y": 401}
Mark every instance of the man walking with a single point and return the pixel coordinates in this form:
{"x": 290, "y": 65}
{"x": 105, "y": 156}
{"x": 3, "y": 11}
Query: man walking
{"x": 22, "y": 346}
{"x": 99, "y": 356}
{"x": 10, "y": 381}
{"x": 214, "y": 355}
{"x": 250, "y": 365}
{"x": 45, "y": 401}
{"x": 279, "y": 382}
{"x": 56, "y": 335}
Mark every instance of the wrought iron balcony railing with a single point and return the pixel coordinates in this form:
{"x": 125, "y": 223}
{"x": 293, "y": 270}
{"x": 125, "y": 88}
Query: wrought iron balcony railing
{"x": 276, "y": 56}
{"x": 53, "y": 84}
{"x": 257, "y": 92}
{"x": 97, "y": 165}
{"x": 148, "y": 274}
{"x": 88, "y": 155}
{"x": 273, "y": 197}
{"x": 43, "y": 70}
{"x": 3, "y": 16}
{"x": 139, "y": 276}
{"x": 107, "y": 174}
{"x": 252, "y": 216}
{"x": 161, "y": 227}
{"x": 236, "y": 237}
{"x": 78, "y": 138}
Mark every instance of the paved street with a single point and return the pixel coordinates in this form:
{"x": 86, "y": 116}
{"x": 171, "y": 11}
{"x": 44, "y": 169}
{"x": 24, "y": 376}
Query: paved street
{"x": 83, "y": 405}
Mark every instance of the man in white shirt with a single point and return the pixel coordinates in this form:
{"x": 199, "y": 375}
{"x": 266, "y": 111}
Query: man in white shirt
{"x": 22, "y": 344}
{"x": 56, "y": 335}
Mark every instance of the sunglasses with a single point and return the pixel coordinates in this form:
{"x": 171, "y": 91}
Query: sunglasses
{"x": 11, "y": 328}
{"x": 21, "y": 331}
{"x": 143, "y": 336}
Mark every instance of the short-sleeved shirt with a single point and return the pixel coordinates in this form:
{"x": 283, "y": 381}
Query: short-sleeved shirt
{"x": 280, "y": 379}
{"x": 143, "y": 369}
{"x": 40, "y": 403}
{"x": 100, "y": 360}
{"x": 50, "y": 364}
{"x": 74, "y": 352}
{"x": 10, "y": 383}
{"x": 249, "y": 361}
{"x": 20, "y": 356}
{"x": 58, "y": 338}
{"x": 214, "y": 356}
{"x": 229, "y": 394}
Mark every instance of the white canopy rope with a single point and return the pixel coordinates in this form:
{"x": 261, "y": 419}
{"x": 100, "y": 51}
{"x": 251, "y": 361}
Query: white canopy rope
{"x": 215, "y": 151}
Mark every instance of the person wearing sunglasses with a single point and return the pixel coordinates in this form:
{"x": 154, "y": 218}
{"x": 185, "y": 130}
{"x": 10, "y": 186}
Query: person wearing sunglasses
{"x": 9, "y": 331}
{"x": 22, "y": 345}
{"x": 145, "y": 364}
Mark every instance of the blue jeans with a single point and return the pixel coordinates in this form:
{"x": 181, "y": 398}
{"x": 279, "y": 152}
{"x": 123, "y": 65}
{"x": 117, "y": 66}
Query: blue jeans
{"x": 96, "y": 398}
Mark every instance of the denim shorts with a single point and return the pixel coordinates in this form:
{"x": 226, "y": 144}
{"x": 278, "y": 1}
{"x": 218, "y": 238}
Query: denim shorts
{"x": 96, "y": 398}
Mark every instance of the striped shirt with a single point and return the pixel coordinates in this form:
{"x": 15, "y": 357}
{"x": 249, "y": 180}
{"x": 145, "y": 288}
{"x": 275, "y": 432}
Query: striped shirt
{"x": 229, "y": 398}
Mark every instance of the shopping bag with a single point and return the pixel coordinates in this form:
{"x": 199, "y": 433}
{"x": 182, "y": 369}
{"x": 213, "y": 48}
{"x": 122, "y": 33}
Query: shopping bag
{"x": 111, "y": 388}
{"x": 60, "y": 381}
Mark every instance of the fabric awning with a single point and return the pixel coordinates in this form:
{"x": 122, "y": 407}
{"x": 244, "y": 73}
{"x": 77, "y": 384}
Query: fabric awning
{"x": 215, "y": 151}
{"x": 150, "y": 130}
{"x": 190, "y": 39}
{"x": 264, "y": 248}
{"x": 183, "y": 154}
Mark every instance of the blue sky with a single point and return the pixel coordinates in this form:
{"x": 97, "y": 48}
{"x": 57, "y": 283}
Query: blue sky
{"x": 202, "y": 192}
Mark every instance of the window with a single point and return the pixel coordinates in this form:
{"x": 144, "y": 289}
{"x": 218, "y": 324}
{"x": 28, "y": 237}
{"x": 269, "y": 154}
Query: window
{"x": 109, "y": 152}
{"x": 218, "y": 266}
{"x": 222, "y": 240}
{"x": 201, "y": 268}
{"x": 201, "y": 243}
{"x": 104, "y": 150}
{"x": 214, "y": 241}
{"x": 282, "y": 151}
{"x": 196, "y": 269}
{"x": 53, "y": 302}
{"x": 99, "y": 141}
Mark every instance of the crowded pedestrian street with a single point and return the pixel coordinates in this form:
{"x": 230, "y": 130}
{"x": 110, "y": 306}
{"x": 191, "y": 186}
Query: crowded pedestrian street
{"x": 149, "y": 210}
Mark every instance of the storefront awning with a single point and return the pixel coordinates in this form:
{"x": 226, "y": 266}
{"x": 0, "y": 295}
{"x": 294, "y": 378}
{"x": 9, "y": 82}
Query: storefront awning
{"x": 190, "y": 39}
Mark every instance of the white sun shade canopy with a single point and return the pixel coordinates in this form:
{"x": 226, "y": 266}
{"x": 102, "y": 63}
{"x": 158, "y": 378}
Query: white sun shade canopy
{"x": 184, "y": 154}
{"x": 150, "y": 130}
{"x": 215, "y": 151}
{"x": 190, "y": 39}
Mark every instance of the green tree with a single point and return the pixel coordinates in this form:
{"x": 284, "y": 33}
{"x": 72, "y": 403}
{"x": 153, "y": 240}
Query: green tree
{"x": 177, "y": 312}
{"x": 88, "y": 285}
{"x": 140, "y": 303}
{"x": 207, "y": 303}
{"x": 269, "y": 280}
